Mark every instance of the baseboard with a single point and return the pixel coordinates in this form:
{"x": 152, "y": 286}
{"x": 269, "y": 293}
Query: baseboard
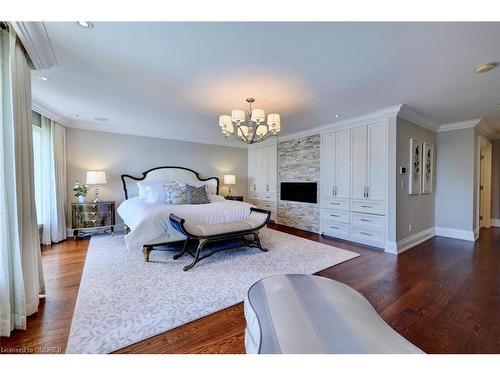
{"x": 467, "y": 235}
{"x": 409, "y": 242}
{"x": 495, "y": 222}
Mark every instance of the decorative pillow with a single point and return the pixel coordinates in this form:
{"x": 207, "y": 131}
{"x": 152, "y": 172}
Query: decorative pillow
{"x": 174, "y": 193}
{"x": 196, "y": 194}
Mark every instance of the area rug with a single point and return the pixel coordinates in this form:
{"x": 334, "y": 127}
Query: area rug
{"x": 123, "y": 300}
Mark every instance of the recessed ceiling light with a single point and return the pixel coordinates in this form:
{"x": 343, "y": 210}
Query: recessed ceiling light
{"x": 483, "y": 68}
{"x": 44, "y": 78}
{"x": 100, "y": 119}
{"x": 86, "y": 24}
{"x": 75, "y": 115}
{"x": 337, "y": 115}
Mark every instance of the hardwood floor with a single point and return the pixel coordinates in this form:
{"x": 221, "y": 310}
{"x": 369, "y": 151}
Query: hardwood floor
{"x": 443, "y": 296}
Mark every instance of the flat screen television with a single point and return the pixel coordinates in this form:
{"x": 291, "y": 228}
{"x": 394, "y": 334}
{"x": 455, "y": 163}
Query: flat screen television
{"x": 299, "y": 192}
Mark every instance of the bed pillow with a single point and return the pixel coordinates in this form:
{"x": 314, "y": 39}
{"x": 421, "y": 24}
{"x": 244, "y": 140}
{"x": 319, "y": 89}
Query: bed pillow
{"x": 152, "y": 191}
{"x": 196, "y": 194}
{"x": 174, "y": 193}
{"x": 216, "y": 198}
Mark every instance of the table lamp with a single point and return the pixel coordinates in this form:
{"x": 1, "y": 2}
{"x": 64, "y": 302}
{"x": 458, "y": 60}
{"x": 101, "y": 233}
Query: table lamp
{"x": 96, "y": 178}
{"x": 229, "y": 179}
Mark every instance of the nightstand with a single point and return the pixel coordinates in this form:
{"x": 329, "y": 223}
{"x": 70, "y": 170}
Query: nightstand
{"x": 234, "y": 198}
{"x": 92, "y": 217}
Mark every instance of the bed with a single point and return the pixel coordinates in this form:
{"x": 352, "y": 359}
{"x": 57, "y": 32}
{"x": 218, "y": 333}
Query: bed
{"x": 147, "y": 224}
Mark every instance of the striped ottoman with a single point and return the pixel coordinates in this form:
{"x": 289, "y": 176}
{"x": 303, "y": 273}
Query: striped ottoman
{"x": 295, "y": 314}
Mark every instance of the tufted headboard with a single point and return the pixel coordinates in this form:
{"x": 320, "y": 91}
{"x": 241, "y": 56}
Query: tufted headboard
{"x": 167, "y": 174}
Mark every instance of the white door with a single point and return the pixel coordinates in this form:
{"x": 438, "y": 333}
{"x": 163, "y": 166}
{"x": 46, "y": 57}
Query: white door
{"x": 358, "y": 162}
{"x": 342, "y": 163}
{"x": 376, "y": 176}
{"x": 328, "y": 165}
{"x": 272, "y": 167}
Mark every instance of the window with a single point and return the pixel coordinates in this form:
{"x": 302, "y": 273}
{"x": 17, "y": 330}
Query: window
{"x": 37, "y": 165}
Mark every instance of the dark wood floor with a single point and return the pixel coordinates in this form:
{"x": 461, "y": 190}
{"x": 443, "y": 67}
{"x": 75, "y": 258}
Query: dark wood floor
{"x": 443, "y": 295}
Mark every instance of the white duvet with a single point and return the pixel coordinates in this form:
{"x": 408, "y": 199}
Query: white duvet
{"x": 149, "y": 222}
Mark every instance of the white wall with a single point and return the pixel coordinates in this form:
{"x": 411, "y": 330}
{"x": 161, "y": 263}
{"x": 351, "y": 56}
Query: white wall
{"x": 455, "y": 170}
{"x": 419, "y": 209}
{"x": 495, "y": 179}
{"x": 119, "y": 154}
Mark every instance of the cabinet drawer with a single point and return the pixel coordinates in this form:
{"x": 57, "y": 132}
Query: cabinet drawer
{"x": 368, "y": 221}
{"x": 263, "y": 196}
{"x": 337, "y": 216}
{"x": 336, "y": 203}
{"x": 264, "y": 204}
{"x": 369, "y": 207}
{"x": 329, "y": 227}
{"x": 368, "y": 234}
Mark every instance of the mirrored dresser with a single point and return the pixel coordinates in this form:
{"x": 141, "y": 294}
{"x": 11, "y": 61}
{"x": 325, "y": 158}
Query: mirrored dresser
{"x": 91, "y": 217}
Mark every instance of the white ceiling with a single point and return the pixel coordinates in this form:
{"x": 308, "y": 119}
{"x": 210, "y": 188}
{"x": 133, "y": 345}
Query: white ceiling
{"x": 173, "y": 80}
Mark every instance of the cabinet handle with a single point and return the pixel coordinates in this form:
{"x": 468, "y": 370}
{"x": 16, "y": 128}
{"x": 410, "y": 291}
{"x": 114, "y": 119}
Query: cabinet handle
{"x": 366, "y": 234}
{"x": 335, "y": 215}
{"x": 254, "y": 188}
{"x": 366, "y": 206}
{"x": 267, "y": 187}
{"x": 368, "y": 221}
{"x": 335, "y": 204}
{"x": 333, "y": 190}
{"x": 367, "y": 191}
{"x": 334, "y": 227}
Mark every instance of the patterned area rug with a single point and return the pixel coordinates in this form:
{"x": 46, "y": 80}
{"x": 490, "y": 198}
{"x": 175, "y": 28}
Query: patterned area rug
{"x": 123, "y": 300}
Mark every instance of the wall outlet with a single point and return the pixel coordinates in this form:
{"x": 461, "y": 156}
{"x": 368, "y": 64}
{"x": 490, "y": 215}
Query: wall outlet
{"x": 409, "y": 228}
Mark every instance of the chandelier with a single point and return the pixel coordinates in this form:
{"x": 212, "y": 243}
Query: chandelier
{"x": 253, "y": 130}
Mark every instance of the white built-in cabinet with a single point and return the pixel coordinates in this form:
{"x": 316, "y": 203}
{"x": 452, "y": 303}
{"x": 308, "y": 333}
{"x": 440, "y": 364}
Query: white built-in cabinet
{"x": 353, "y": 183}
{"x": 263, "y": 176}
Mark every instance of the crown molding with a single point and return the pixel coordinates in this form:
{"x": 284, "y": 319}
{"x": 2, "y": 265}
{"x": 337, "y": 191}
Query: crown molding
{"x": 35, "y": 40}
{"x": 44, "y": 109}
{"x": 458, "y": 125}
{"x": 414, "y": 117}
{"x": 361, "y": 120}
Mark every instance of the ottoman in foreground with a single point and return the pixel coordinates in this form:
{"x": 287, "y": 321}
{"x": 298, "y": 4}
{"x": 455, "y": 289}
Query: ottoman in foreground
{"x": 295, "y": 314}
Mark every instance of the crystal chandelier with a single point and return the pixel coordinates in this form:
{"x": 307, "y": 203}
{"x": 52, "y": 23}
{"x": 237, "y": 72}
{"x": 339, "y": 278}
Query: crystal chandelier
{"x": 253, "y": 130}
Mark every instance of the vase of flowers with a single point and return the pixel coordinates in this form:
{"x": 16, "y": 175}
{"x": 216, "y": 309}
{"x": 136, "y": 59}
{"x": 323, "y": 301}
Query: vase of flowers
{"x": 80, "y": 191}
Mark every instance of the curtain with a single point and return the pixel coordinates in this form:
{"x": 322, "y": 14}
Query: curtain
{"x": 53, "y": 202}
{"x": 21, "y": 275}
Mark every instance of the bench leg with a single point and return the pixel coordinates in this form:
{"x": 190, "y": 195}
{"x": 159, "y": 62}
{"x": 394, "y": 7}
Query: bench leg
{"x": 257, "y": 241}
{"x": 183, "y": 251}
{"x": 146, "y": 251}
{"x": 202, "y": 243}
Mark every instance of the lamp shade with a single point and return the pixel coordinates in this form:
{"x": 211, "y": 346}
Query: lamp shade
{"x": 96, "y": 177}
{"x": 224, "y": 121}
{"x": 258, "y": 115}
{"x": 238, "y": 115}
{"x": 229, "y": 179}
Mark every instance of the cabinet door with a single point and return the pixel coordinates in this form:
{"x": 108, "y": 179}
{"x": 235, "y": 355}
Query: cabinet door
{"x": 261, "y": 175}
{"x": 252, "y": 170}
{"x": 328, "y": 165}
{"x": 343, "y": 163}
{"x": 272, "y": 167}
{"x": 377, "y": 150}
{"x": 358, "y": 162}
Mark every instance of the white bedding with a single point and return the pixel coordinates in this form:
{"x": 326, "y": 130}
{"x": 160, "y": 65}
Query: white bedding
{"x": 149, "y": 222}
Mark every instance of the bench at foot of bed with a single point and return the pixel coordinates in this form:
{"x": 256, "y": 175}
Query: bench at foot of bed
{"x": 247, "y": 231}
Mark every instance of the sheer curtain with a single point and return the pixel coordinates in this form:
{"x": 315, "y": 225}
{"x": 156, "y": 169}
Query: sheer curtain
{"x": 21, "y": 275}
{"x": 53, "y": 175}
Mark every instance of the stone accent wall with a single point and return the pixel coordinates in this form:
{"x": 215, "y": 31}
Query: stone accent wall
{"x": 299, "y": 161}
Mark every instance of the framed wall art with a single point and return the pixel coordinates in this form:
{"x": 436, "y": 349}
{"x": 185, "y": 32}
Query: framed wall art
{"x": 427, "y": 167}
{"x": 415, "y": 171}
